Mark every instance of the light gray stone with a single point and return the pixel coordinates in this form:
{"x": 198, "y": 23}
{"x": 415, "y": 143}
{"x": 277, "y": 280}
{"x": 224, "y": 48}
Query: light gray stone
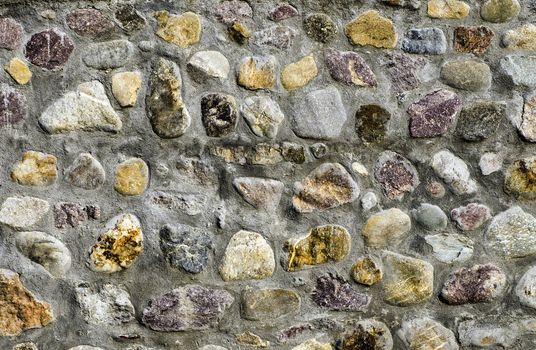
{"x": 263, "y": 115}
{"x": 109, "y": 54}
{"x": 425, "y": 333}
{"x": 23, "y": 212}
{"x": 450, "y": 248}
{"x": 483, "y": 335}
{"x": 526, "y": 288}
{"x": 520, "y": 69}
{"x": 386, "y": 228}
{"x": 430, "y": 216}
{"x": 490, "y": 162}
{"x": 512, "y": 233}
{"x": 259, "y": 192}
{"x": 454, "y": 172}
{"x": 85, "y": 172}
{"x": 369, "y": 201}
{"x": 210, "y": 63}
{"x": 106, "y": 305}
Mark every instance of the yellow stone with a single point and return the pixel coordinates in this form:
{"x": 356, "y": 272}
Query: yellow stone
{"x": 370, "y": 28}
{"x": 35, "y": 169}
{"x": 182, "y": 30}
{"x": 367, "y": 271}
{"x": 257, "y": 73}
{"x": 299, "y": 74}
{"x": 132, "y": 177}
{"x": 252, "y": 339}
{"x": 521, "y": 38}
{"x": 239, "y": 32}
{"x": 448, "y": 9}
{"x": 19, "y": 71}
{"x": 125, "y": 87}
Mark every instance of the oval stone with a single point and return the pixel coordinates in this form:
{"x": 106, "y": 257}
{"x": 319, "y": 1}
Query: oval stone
{"x": 90, "y": 22}
{"x": 49, "y": 49}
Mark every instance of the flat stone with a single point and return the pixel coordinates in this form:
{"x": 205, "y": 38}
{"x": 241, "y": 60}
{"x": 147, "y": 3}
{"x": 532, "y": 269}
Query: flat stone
{"x": 232, "y": 11}
{"x": 282, "y": 11}
{"x": 185, "y": 247}
{"x": 480, "y": 120}
{"x": 85, "y": 172}
{"x": 450, "y": 248}
{"x": 263, "y": 115}
{"x": 219, "y": 113}
{"x": 431, "y": 217}
{"x": 105, "y": 305}
{"x": 13, "y": 106}
{"x": 369, "y": 201}
{"x": 386, "y": 228}
{"x": 49, "y": 49}
{"x": 469, "y": 75}
{"x": 90, "y": 22}
{"x": 118, "y": 247}
{"x": 261, "y": 193}
{"x": 336, "y": 294}
{"x": 125, "y": 87}
{"x": 520, "y": 69}
{"x": 367, "y": 270}
{"x": 499, "y": 11}
{"x": 313, "y": 344}
{"x": 182, "y": 30}
{"x": 109, "y": 54}
{"x": 210, "y": 63}
{"x": 368, "y": 333}
{"x": 370, "y": 28}
{"x": 74, "y": 214}
{"x": 425, "y": 41}
{"x": 323, "y": 244}
{"x": 251, "y": 339}
{"x": 518, "y": 180}
{"x": 407, "y": 281}
{"x": 23, "y": 212}
{"x": 85, "y": 109}
{"x": 247, "y": 256}
{"x": 477, "y": 284}
{"x": 372, "y": 122}
{"x": 395, "y": 174}
{"x": 268, "y": 303}
{"x": 472, "y": 39}
{"x": 166, "y": 110}
{"x": 19, "y": 309}
{"x": 129, "y": 19}
{"x": 19, "y": 71}
{"x": 425, "y": 333}
{"x": 45, "y": 250}
{"x": 35, "y": 169}
{"x": 433, "y": 114}
{"x": 527, "y": 126}
{"x": 526, "y": 288}
{"x": 349, "y": 68}
{"x": 454, "y": 172}
{"x": 10, "y": 33}
{"x": 131, "y": 177}
{"x": 191, "y": 307}
{"x": 512, "y": 234}
{"x": 320, "y": 27}
{"x": 328, "y": 186}
{"x": 471, "y": 216}
{"x": 490, "y": 162}
{"x": 476, "y": 333}
{"x": 279, "y": 37}
{"x": 403, "y": 71}
{"x": 451, "y": 9}
{"x": 257, "y": 73}
{"x": 309, "y": 114}
{"x": 300, "y": 73}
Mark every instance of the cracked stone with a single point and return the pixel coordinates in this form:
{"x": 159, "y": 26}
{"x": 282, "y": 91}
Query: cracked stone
{"x": 261, "y": 193}
{"x": 219, "y": 114}
{"x": 477, "y": 284}
{"x": 334, "y": 293}
{"x": 263, "y": 115}
{"x": 105, "y": 305}
{"x": 433, "y": 114}
{"x": 349, "y": 68}
{"x": 396, "y": 175}
{"x": 35, "y": 169}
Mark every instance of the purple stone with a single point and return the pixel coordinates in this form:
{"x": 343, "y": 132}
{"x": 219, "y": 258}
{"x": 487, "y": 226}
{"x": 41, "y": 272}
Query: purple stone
{"x": 395, "y": 174}
{"x": 471, "y": 216}
{"x": 402, "y": 70}
{"x": 335, "y": 293}
{"x": 10, "y": 33}
{"x": 12, "y": 106}
{"x": 89, "y": 22}
{"x": 433, "y": 114}
{"x": 49, "y": 49}
{"x": 282, "y": 11}
{"x": 349, "y": 68}
{"x": 232, "y": 11}
{"x": 279, "y": 37}
{"x": 74, "y": 214}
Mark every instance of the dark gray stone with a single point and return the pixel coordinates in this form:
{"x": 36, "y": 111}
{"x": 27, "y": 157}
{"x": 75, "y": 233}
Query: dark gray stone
{"x": 480, "y": 120}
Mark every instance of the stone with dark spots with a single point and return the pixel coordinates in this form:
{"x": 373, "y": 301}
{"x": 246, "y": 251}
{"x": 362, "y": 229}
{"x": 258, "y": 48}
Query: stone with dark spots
{"x": 335, "y": 293}
{"x": 279, "y": 37}
{"x": 185, "y": 247}
{"x": 349, "y": 68}
{"x": 320, "y": 27}
{"x": 433, "y": 114}
{"x": 49, "y": 49}
{"x": 219, "y": 114}
{"x": 472, "y": 39}
{"x": 232, "y": 11}
{"x": 368, "y": 334}
{"x": 12, "y": 106}
{"x": 90, "y": 22}
{"x": 471, "y": 216}
{"x": 10, "y": 33}
{"x": 282, "y": 11}
{"x": 403, "y": 71}
{"x": 371, "y": 123}
{"x": 293, "y": 152}
{"x": 130, "y": 19}
{"x": 268, "y": 303}
{"x": 480, "y": 283}
{"x": 480, "y": 120}
{"x": 396, "y": 175}
{"x": 293, "y": 332}
{"x": 427, "y": 41}
{"x": 74, "y": 214}
{"x": 191, "y": 307}
{"x": 520, "y": 179}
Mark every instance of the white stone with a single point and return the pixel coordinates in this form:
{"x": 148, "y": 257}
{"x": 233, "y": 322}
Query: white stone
{"x": 526, "y": 288}
{"x": 23, "y": 212}
{"x": 263, "y": 115}
{"x": 449, "y": 248}
{"x": 109, "y": 305}
{"x": 490, "y": 162}
{"x": 454, "y": 172}
{"x": 45, "y": 250}
{"x": 312, "y": 344}
{"x": 369, "y": 201}
{"x": 360, "y": 169}
{"x": 425, "y": 333}
{"x": 211, "y": 63}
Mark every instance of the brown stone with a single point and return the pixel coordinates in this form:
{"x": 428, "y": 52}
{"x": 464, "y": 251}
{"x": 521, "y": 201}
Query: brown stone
{"x": 257, "y": 73}
{"x": 49, "y": 49}
{"x": 90, "y": 22}
{"x": 371, "y": 123}
{"x": 396, "y": 175}
{"x": 370, "y": 28}
{"x": 472, "y": 39}
{"x": 35, "y": 169}
{"x": 12, "y": 106}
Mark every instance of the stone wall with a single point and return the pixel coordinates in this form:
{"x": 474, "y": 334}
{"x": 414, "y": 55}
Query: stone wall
{"x": 319, "y": 174}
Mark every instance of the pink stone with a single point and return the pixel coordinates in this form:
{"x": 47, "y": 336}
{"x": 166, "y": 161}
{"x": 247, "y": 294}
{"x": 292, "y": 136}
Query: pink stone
{"x": 433, "y": 114}
{"x": 10, "y": 33}
{"x": 89, "y": 22}
{"x": 471, "y": 216}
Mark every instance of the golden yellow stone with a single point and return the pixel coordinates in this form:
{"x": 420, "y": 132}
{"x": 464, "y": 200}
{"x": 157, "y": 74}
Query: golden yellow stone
{"x": 182, "y": 30}
{"x": 239, "y": 32}
{"x": 448, "y": 9}
{"x": 19, "y": 71}
{"x": 520, "y": 179}
{"x": 125, "y": 87}
{"x": 132, "y": 177}
{"x": 257, "y": 73}
{"x": 366, "y": 271}
{"x": 370, "y": 28}
{"x": 299, "y": 74}
{"x": 35, "y": 169}
{"x": 252, "y": 339}
{"x": 521, "y": 38}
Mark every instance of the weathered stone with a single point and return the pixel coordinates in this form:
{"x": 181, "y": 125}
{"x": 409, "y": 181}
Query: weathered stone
{"x": 182, "y": 30}
{"x": 292, "y": 152}
{"x": 396, "y": 175}
{"x": 10, "y": 33}
{"x": 450, "y": 248}
{"x": 12, "y": 106}
{"x": 268, "y": 303}
{"x": 349, "y": 68}
{"x": 118, "y": 247}
{"x": 210, "y": 63}
{"x": 427, "y": 334}
{"x": 23, "y": 212}
{"x": 86, "y": 109}
{"x": 25, "y": 346}
{"x": 520, "y": 38}
{"x": 212, "y": 347}
{"x": 109, "y": 54}
{"x": 167, "y": 112}
{"x": 309, "y": 114}
{"x": 190, "y": 204}
{"x": 219, "y": 114}
{"x": 520, "y": 69}
{"x": 85, "y": 172}
{"x": 527, "y": 125}
{"x": 300, "y": 73}
{"x": 320, "y": 27}
{"x": 232, "y": 11}
{"x": 85, "y": 347}
{"x": 46, "y": 251}
{"x": 386, "y": 227}
{"x": 433, "y": 114}
{"x": 526, "y": 288}
{"x": 480, "y": 120}
{"x": 49, "y": 49}
{"x": 425, "y": 41}
{"x": 106, "y": 305}
{"x": 74, "y": 214}
{"x": 499, "y": 11}
{"x": 125, "y": 87}
{"x": 518, "y": 180}
{"x": 130, "y": 19}
{"x": 454, "y": 172}
{"x": 35, "y": 169}
{"x": 196, "y": 171}
{"x": 335, "y": 293}
{"x": 319, "y": 150}
{"x": 239, "y": 32}
{"x": 322, "y": 244}
{"x": 371, "y": 123}
{"x": 19, "y": 71}
{"x": 313, "y": 344}
{"x": 131, "y": 177}
{"x": 251, "y": 339}
{"x": 256, "y": 73}
{"x": 90, "y": 22}
{"x": 410, "y": 4}
{"x": 490, "y": 162}
{"x": 191, "y": 307}
{"x": 472, "y": 39}
{"x": 328, "y": 186}
{"x": 480, "y": 283}
{"x": 282, "y": 11}
{"x": 470, "y": 75}
{"x": 474, "y": 333}
{"x": 471, "y": 216}
{"x": 436, "y": 189}
{"x": 431, "y": 217}
{"x": 403, "y": 71}
{"x": 368, "y": 334}
{"x": 360, "y": 169}
{"x": 451, "y": 9}
{"x": 407, "y": 281}
{"x": 247, "y": 256}
{"x": 263, "y": 115}
{"x": 261, "y": 193}
{"x": 369, "y": 201}
{"x": 19, "y": 309}
{"x": 279, "y": 37}
{"x": 370, "y": 28}
{"x": 367, "y": 271}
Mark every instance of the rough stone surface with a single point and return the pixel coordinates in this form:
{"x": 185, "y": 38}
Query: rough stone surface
{"x": 279, "y": 37}
{"x": 427, "y": 41}
{"x": 11, "y": 33}
{"x": 74, "y": 214}
{"x": 23, "y": 212}
{"x": 452, "y": 9}
{"x": 368, "y": 334}
{"x": 386, "y": 227}
{"x": 433, "y": 114}
{"x": 490, "y": 162}
{"x": 131, "y": 177}
{"x": 403, "y": 71}
{"x": 520, "y": 69}
{"x": 185, "y": 247}
{"x": 527, "y": 127}
{"x": 106, "y": 305}
{"x": 370, "y": 28}
{"x": 320, "y": 27}
{"x": 219, "y": 114}
{"x": 231, "y": 11}
{"x": 372, "y": 123}
{"x": 480, "y": 283}
{"x": 90, "y": 22}
{"x": 518, "y": 179}
{"x": 349, "y": 68}
{"x": 35, "y": 169}
{"x": 520, "y": 38}
{"x": 182, "y": 30}
{"x": 468, "y": 75}
{"x": 269, "y": 303}
{"x": 282, "y": 11}
{"x": 85, "y": 172}
{"x": 450, "y": 248}
{"x": 298, "y": 74}
{"x": 367, "y": 271}
{"x": 425, "y": 333}
{"x": 480, "y": 120}
{"x": 19, "y": 71}
{"x": 472, "y": 39}
{"x": 263, "y": 115}
{"x": 471, "y": 216}
{"x": 396, "y": 175}
{"x": 109, "y": 54}
{"x": 454, "y": 172}
{"x": 49, "y": 49}
{"x": 334, "y": 293}
{"x": 13, "y": 106}
{"x": 430, "y": 217}
{"x": 525, "y": 289}
{"x": 210, "y": 63}
{"x": 260, "y": 193}
{"x": 125, "y": 87}
{"x": 499, "y": 11}
{"x": 256, "y": 73}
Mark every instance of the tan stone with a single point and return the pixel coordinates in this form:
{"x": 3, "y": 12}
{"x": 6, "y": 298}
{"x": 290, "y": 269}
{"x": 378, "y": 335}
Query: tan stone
{"x": 386, "y": 227}
{"x": 521, "y": 38}
{"x": 252, "y": 339}
{"x": 125, "y": 87}
{"x": 367, "y": 271}
{"x": 448, "y": 9}
{"x": 19, "y": 71}
{"x": 131, "y": 177}
{"x": 298, "y": 74}
{"x": 182, "y": 30}
{"x": 520, "y": 179}
{"x": 370, "y": 28}
{"x": 35, "y": 169}
{"x": 313, "y": 344}
{"x": 257, "y": 73}
{"x": 239, "y": 32}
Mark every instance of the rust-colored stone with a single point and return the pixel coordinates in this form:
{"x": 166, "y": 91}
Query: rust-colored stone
{"x": 472, "y": 39}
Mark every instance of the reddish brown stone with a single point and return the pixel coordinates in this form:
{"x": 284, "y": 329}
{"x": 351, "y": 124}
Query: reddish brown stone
{"x": 472, "y": 39}
{"x": 349, "y": 68}
{"x": 12, "y": 106}
{"x": 282, "y": 11}
{"x": 49, "y": 49}
{"x": 395, "y": 174}
{"x": 74, "y": 214}
{"x": 89, "y": 22}
{"x": 10, "y": 33}
{"x": 433, "y": 114}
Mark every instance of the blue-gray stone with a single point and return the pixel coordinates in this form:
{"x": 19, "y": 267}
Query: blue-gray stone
{"x": 427, "y": 41}
{"x": 185, "y": 247}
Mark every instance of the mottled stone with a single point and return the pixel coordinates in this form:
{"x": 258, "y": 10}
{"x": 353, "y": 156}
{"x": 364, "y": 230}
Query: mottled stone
{"x": 265, "y": 154}
{"x": 108, "y": 54}
{"x": 367, "y": 271}
{"x": 45, "y": 250}
{"x": 130, "y": 19}
{"x": 484, "y": 335}
{"x": 86, "y": 109}
{"x": 313, "y": 344}
{"x": 232, "y": 11}
{"x": 431, "y": 217}
{"x": 435, "y": 189}
{"x": 268, "y": 303}
{"x": 520, "y": 69}
{"x": 118, "y": 247}
{"x": 125, "y": 87}
{"x": 336, "y": 294}
{"x": 19, "y": 71}
{"x": 210, "y": 63}
{"x": 367, "y": 334}
{"x": 85, "y": 172}
{"x": 527, "y": 125}
{"x": 25, "y": 346}
{"x": 131, "y": 177}
{"x": 372, "y": 122}
{"x": 450, "y": 248}
{"x": 454, "y": 172}
{"x": 300, "y": 73}
{"x": 247, "y": 256}
{"x": 49, "y": 49}
{"x": 191, "y": 307}
{"x": 319, "y": 150}
{"x": 239, "y": 32}
{"x": 85, "y": 347}
{"x": 520, "y": 38}
{"x": 519, "y": 179}
{"x": 403, "y": 71}
{"x": 261, "y": 193}
{"x": 478, "y": 284}
{"x": 427, "y": 334}
{"x": 386, "y": 228}
{"x": 263, "y": 115}
{"x": 490, "y": 162}
{"x": 219, "y": 114}
{"x": 106, "y": 305}
{"x": 23, "y": 212}
{"x": 480, "y": 120}
{"x": 499, "y": 11}
{"x": 472, "y": 39}
{"x": 10, "y": 33}
{"x": 349, "y": 68}
{"x": 257, "y": 73}
{"x": 212, "y": 347}
{"x": 471, "y": 216}
{"x": 282, "y": 11}
{"x": 396, "y": 175}
{"x": 12, "y": 106}
{"x": 451, "y": 9}
{"x": 279, "y": 37}
{"x": 253, "y": 340}
{"x": 433, "y": 114}
{"x": 425, "y": 41}
{"x": 470, "y": 75}
{"x": 35, "y": 169}
{"x": 328, "y": 186}
{"x": 293, "y": 152}
{"x": 370, "y": 28}
{"x": 182, "y": 30}
{"x": 90, "y": 22}
{"x": 320, "y": 27}
{"x": 526, "y": 288}
{"x": 74, "y": 214}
